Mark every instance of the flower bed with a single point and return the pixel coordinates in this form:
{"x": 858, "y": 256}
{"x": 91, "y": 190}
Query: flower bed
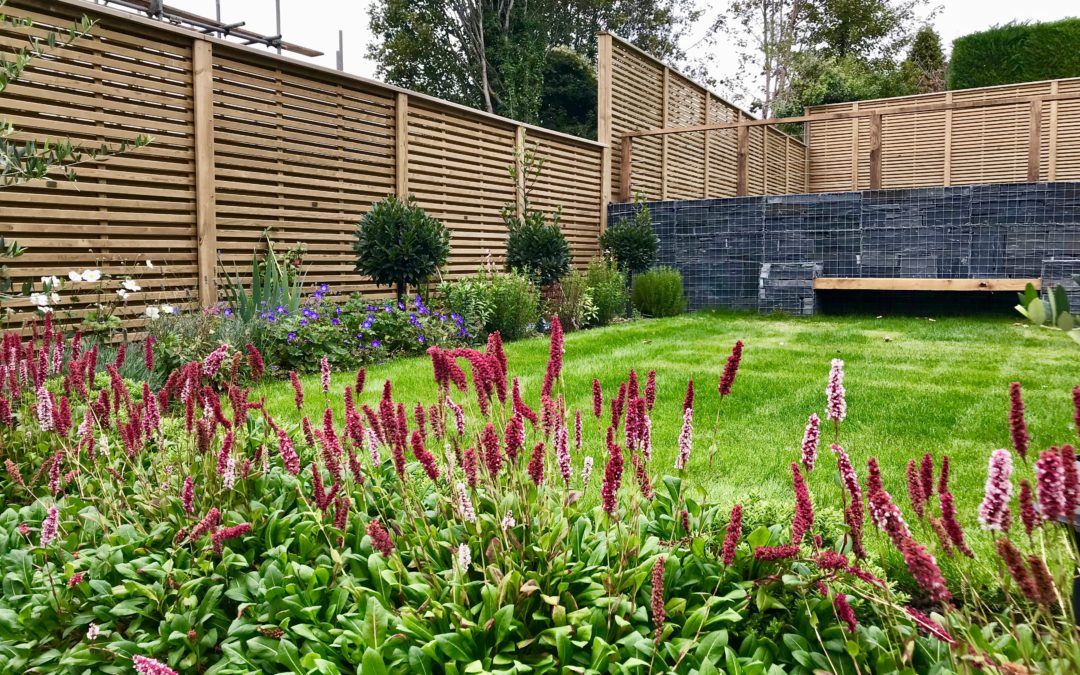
{"x": 185, "y": 529}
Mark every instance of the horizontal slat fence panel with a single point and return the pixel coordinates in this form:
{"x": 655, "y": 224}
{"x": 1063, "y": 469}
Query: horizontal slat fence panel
{"x": 646, "y": 94}
{"x": 285, "y": 147}
{"x": 948, "y": 147}
{"x": 108, "y": 88}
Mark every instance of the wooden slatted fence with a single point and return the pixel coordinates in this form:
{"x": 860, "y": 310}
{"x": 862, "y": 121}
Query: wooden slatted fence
{"x": 245, "y": 140}
{"x": 923, "y": 143}
{"x": 638, "y": 92}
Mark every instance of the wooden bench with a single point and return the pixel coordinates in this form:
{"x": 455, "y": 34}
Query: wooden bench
{"x": 907, "y": 284}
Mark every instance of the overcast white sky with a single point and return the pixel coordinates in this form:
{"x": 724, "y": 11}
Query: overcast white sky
{"x": 315, "y": 23}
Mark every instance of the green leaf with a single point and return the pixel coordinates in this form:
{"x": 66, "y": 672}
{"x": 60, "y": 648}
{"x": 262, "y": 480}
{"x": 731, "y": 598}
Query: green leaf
{"x": 372, "y": 663}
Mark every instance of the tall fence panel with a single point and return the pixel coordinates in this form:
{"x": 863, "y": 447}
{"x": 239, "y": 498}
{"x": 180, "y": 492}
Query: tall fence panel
{"x": 638, "y": 92}
{"x": 938, "y": 146}
{"x": 135, "y": 208}
{"x": 243, "y": 142}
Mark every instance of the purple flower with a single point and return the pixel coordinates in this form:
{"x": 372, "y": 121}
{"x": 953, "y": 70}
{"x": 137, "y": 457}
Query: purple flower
{"x": 292, "y": 335}
{"x": 375, "y": 344}
{"x": 420, "y": 339}
{"x": 336, "y": 321}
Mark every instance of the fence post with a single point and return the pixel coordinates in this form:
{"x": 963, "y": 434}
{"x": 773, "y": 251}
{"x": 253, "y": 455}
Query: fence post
{"x": 202, "y": 78}
{"x": 624, "y": 168}
{"x": 1034, "y": 141}
{"x": 947, "y": 171}
{"x": 401, "y": 146}
{"x": 741, "y": 169}
{"x": 603, "y": 121}
{"x": 664, "y": 138}
{"x": 1051, "y": 155}
{"x": 705, "y": 135}
{"x": 519, "y": 171}
{"x": 875, "y": 151}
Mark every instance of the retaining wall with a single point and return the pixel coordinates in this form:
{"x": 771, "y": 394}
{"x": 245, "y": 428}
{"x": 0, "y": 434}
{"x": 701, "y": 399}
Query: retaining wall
{"x": 764, "y": 252}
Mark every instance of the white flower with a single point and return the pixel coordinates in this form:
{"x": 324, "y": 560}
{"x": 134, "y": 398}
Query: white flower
{"x": 92, "y": 631}
{"x": 50, "y": 282}
{"x": 150, "y": 264}
{"x": 45, "y": 310}
{"x": 39, "y": 299}
{"x": 153, "y": 312}
{"x": 508, "y": 522}
{"x": 55, "y": 297}
{"x": 131, "y": 285}
{"x": 122, "y": 293}
{"x": 167, "y": 309}
{"x": 464, "y": 557}
{"x": 74, "y": 276}
{"x": 91, "y": 276}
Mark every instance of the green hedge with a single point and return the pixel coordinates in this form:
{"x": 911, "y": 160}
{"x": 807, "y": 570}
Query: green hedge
{"x": 1016, "y": 53}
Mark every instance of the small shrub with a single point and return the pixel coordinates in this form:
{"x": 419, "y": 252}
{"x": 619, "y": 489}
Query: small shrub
{"x": 356, "y": 331}
{"x": 659, "y": 292}
{"x": 507, "y": 302}
{"x": 181, "y": 338}
{"x": 632, "y": 243}
{"x": 607, "y": 288}
{"x": 537, "y": 249}
{"x": 571, "y": 301}
{"x": 399, "y": 245}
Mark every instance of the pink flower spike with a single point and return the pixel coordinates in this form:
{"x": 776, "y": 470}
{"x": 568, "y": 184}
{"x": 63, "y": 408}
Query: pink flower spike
{"x": 324, "y": 369}
{"x": 836, "y": 410}
{"x": 50, "y": 526}
{"x": 1050, "y": 484}
{"x": 1017, "y": 425}
{"x": 686, "y": 437}
{"x": 810, "y": 442}
{"x": 733, "y": 535}
{"x": 148, "y": 666}
{"x": 731, "y": 368}
{"x": 994, "y": 510}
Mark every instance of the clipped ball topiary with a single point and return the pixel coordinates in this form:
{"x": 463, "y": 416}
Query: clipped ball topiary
{"x": 537, "y": 249}
{"x": 398, "y": 244}
{"x": 632, "y": 243}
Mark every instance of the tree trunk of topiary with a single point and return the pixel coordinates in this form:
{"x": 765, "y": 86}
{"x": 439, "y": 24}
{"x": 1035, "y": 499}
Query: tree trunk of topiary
{"x": 401, "y": 288}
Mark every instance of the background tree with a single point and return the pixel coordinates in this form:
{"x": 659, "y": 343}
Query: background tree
{"x": 497, "y": 55}
{"x": 804, "y": 52}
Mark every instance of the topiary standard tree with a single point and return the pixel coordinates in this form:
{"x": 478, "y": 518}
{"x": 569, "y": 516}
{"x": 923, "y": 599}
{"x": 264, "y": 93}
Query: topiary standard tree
{"x": 632, "y": 244}
{"x": 398, "y": 244}
{"x": 534, "y": 247}
{"x": 537, "y": 249}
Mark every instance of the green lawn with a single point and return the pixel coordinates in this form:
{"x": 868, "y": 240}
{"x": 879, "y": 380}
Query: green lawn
{"x": 913, "y": 386}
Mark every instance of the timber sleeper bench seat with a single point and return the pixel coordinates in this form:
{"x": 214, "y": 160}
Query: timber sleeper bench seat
{"x": 911, "y": 284}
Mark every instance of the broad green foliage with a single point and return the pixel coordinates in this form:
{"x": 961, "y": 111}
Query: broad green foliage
{"x": 400, "y": 569}
{"x": 491, "y": 301}
{"x": 607, "y": 288}
{"x": 399, "y": 245}
{"x": 1053, "y": 311}
{"x": 632, "y": 243}
{"x": 658, "y": 292}
{"x": 1016, "y": 52}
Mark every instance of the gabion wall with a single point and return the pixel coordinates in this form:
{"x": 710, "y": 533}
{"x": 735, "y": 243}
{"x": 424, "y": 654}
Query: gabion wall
{"x": 764, "y": 252}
